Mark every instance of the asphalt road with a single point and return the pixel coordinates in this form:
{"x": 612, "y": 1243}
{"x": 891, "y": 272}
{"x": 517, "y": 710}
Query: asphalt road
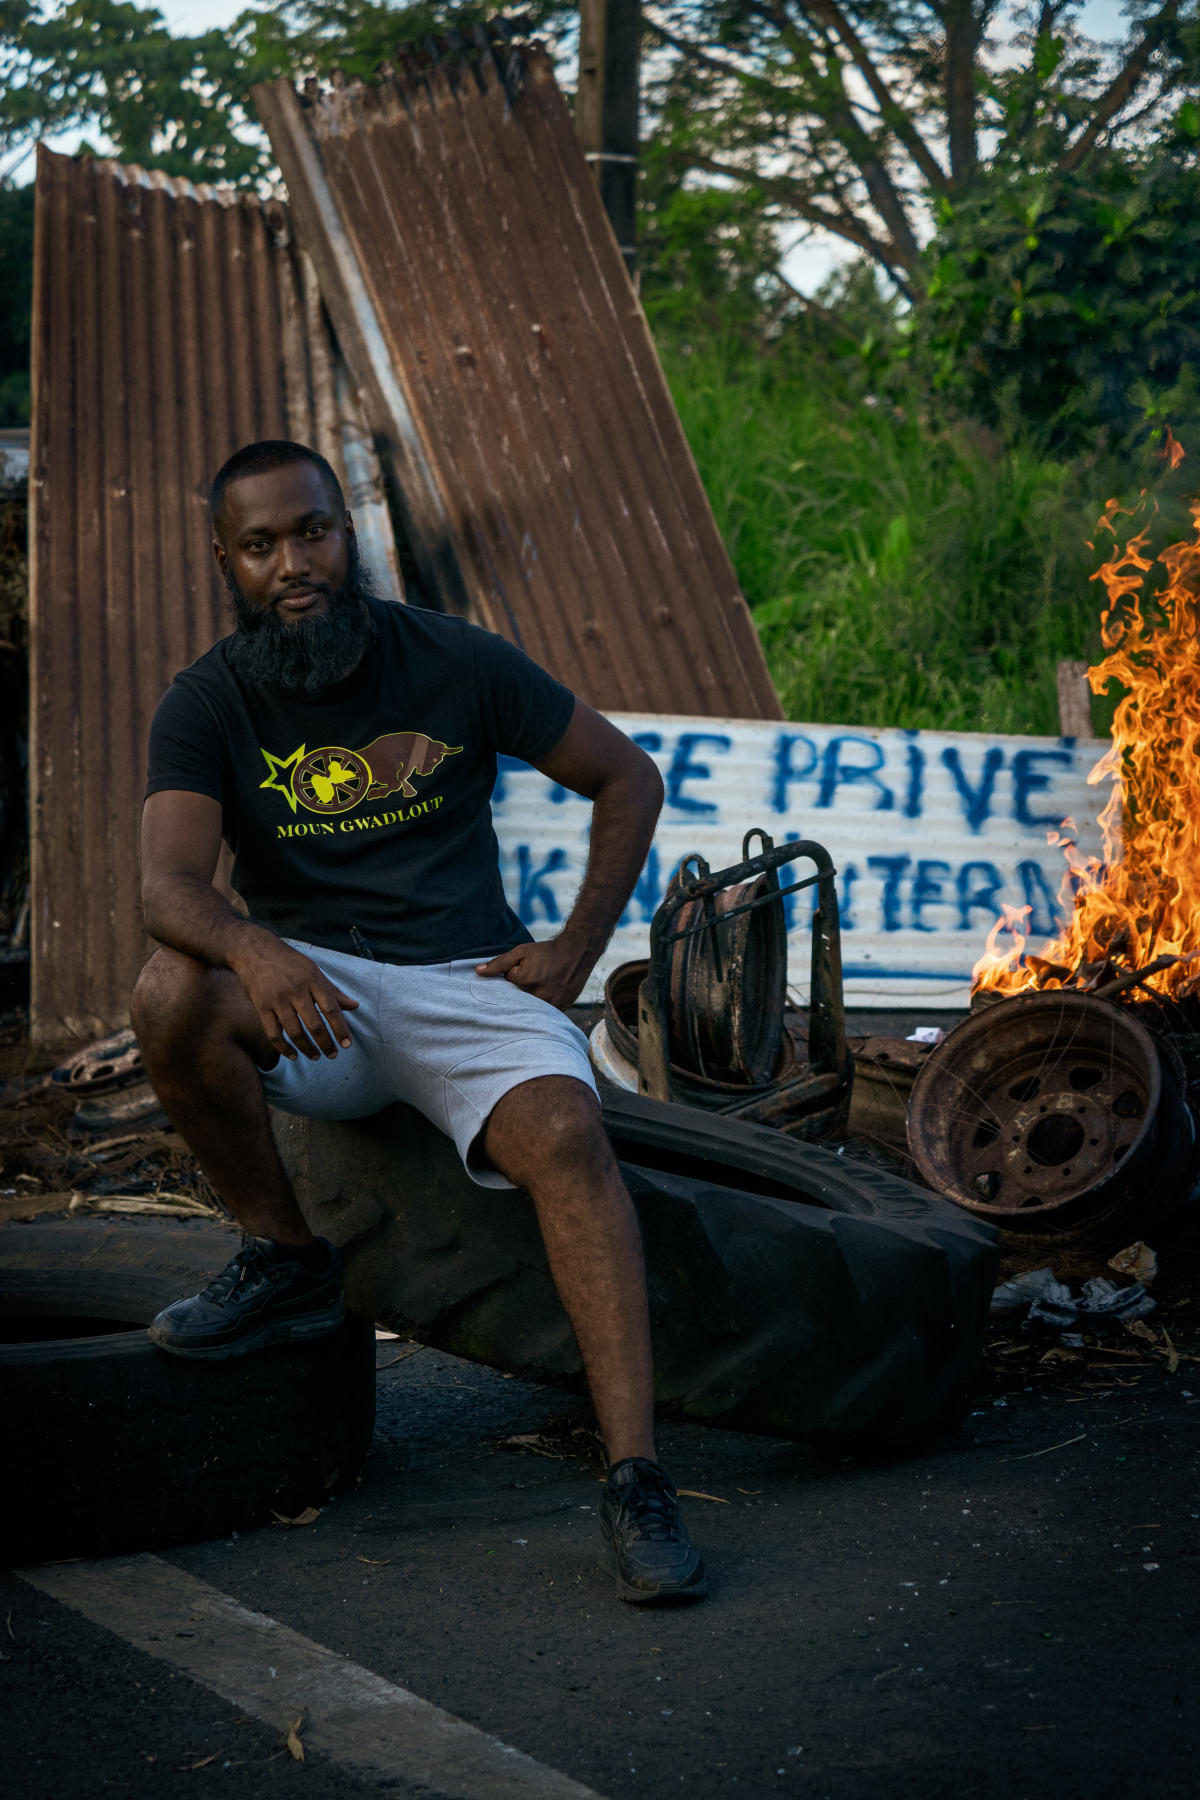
{"x": 1011, "y": 1613}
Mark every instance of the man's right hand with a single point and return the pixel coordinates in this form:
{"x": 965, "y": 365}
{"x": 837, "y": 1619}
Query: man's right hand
{"x": 290, "y": 995}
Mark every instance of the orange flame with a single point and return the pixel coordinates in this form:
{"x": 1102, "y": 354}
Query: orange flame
{"x": 1139, "y": 901}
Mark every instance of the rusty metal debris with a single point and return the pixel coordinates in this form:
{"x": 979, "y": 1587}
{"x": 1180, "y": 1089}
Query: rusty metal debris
{"x": 509, "y": 377}
{"x": 171, "y": 324}
{"x": 707, "y": 1027}
{"x": 1057, "y": 1114}
{"x": 729, "y": 983}
{"x": 885, "y": 1069}
{"x": 690, "y": 1087}
{"x": 53, "y": 1160}
{"x": 110, "y": 1063}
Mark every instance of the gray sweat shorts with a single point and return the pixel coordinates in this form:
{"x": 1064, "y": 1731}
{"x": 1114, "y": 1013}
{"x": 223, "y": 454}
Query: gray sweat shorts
{"x": 437, "y": 1035}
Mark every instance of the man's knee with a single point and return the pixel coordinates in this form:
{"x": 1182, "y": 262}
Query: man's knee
{"x": 169, "y": 997}
{"x": 551, "y": 1123}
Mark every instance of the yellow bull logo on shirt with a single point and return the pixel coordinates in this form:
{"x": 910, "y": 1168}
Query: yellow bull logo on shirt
{"x": 333, "y": 779}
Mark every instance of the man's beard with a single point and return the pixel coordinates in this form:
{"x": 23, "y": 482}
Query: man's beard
{"x": 307, "y": 655}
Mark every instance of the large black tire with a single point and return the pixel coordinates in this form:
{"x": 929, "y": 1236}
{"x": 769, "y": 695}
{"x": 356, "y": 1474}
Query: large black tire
{"x": 791, "y": 1290}
{"x": 112, "y": 1445}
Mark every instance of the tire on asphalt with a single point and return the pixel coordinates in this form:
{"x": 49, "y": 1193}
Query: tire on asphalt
{"x": 112, "y": 1445}
{"x": 792, "y": 1291}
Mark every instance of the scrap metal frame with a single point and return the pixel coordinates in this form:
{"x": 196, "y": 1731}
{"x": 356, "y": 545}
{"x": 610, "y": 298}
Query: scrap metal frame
{"x": 828, "y": 1072}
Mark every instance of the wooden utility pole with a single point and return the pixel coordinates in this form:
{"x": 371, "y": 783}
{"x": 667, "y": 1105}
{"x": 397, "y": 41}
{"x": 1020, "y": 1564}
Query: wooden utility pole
{"x": 606, "y": 110}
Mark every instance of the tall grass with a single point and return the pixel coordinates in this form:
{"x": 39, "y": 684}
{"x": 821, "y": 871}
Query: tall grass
{"x": 901, "y": 572}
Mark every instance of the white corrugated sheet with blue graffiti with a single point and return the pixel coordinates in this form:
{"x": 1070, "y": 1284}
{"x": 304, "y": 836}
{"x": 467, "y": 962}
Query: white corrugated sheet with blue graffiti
{"x": 930, "y": 833}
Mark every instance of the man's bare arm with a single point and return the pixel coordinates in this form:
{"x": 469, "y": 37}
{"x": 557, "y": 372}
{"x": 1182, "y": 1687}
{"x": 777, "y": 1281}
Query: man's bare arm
{"x": 181, "y": 846}
{"x": 596, "y": 760}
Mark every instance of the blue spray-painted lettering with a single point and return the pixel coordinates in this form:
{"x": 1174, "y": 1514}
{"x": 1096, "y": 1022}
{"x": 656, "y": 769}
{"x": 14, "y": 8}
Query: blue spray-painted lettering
{"x": 1038, "y": 892}
{"x": 785, "y": 772}
{"x": 985, "y": 897}
{"x": 647, "y": 893}
{"x": 649, "y": 741}
{"x": 892, "y": 868}
{"x": 684, "y": 769}
{"x": 927, "y": 891}
{"x": 535, "y": 889}
{"x": 1029, "y": 780}
{"x": 914, "y": 799}
{"x": 849, "y": 875}
{"x": 976, "y": 801}
{"x": 505, "y": 765}
{"x": 836, "y": 774}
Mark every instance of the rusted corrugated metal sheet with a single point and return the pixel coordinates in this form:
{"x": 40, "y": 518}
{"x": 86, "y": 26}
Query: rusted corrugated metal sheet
{"x": 507, "y": 371}
{"x": 171, "y": 324}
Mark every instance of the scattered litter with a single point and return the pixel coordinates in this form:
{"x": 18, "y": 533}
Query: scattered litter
{"x": 926, "y": 1034}
{"x": 295, "y": 1747}
{"x": 1049, "y": 1447}
{"x": 186, "y": 1768}
{"x": 1137, "y": 1260}
{"x": 694, "y": 1494}
{"x": 532, "y": 1441}
{"x": 403, "y": 1357}
{"x": 307, "y": 1517}
{"x": 170, "y": 1206}
{"x": 1022, "y": 1290}
{"x": 1099, "y": 1307}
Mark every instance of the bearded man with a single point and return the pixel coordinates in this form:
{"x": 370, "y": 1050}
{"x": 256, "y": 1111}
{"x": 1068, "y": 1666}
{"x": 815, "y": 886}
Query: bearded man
{"x": 345, "y": 750}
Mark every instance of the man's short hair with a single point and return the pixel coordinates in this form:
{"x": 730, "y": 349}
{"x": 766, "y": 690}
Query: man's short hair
{"x": 260, "y": 459}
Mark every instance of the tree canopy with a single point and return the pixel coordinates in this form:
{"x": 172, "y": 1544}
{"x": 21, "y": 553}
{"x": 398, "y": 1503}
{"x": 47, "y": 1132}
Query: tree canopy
{"x": 1030, "y": 193}
{"x": 865, "y": 118}
{"x": 181, "y": 103}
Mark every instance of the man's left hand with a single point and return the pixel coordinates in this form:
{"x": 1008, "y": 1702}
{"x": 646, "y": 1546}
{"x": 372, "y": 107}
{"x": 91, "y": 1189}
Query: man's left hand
{"x": 555, "y": 971}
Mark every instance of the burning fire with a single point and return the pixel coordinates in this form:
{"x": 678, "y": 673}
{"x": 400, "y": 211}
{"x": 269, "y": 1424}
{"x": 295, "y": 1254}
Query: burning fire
{"x": 1137, "y": 905}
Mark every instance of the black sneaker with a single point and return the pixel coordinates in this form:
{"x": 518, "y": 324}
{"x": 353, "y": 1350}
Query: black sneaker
{"x": 646, "y": 1546}
{"x": 259, "y": 1299}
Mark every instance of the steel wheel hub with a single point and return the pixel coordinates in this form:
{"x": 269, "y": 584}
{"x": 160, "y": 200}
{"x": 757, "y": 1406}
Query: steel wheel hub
{"x": 1035, "y": 1102}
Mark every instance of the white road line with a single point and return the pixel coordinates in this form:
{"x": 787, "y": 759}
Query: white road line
{"x": 264, "y": 1668}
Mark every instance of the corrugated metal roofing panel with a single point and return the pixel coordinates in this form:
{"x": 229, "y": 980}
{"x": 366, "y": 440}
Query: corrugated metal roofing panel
{"x": 171, "y": 325}
{"x": 506, "y": 368}
{"x": 930, "y": 833}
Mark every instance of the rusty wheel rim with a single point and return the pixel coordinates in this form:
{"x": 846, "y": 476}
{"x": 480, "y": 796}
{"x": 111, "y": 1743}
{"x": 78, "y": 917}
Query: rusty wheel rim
{"x": 1035, "y": 1104}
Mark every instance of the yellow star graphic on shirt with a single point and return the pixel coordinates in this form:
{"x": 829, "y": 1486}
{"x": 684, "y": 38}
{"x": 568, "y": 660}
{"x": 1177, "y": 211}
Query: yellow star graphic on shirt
{"x": 277, "y": 765}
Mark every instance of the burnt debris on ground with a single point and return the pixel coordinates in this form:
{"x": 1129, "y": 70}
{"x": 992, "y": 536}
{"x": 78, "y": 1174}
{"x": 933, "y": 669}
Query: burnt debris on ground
{"x": 120, "y": 1157}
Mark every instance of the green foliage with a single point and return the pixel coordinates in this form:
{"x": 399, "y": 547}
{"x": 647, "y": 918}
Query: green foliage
{"x": 182, "y": 103}
{"x": 901, "y": 571}
{"x": 16, "y": 292}
{"x": 1071, "y": 304}
{"x": 862, "y": 116}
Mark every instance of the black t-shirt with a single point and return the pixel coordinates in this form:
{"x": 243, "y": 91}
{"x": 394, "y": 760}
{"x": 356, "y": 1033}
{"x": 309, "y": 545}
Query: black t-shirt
{"x": 368, "y": 807}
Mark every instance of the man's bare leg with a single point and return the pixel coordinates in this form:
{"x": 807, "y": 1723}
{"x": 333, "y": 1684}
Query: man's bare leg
{"x": 203, "y": 1046}
{"x": 547, "y": 1136}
